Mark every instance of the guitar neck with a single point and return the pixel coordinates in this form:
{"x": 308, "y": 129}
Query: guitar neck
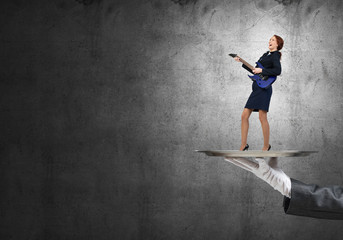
{"x": 247, "y": 64}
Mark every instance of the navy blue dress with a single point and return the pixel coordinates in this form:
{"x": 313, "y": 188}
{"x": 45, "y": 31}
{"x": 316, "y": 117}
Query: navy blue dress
{"x": 260, "y": 97}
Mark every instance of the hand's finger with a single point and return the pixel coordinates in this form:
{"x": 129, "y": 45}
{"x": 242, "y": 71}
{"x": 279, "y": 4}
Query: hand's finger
{"x": 238, "y": 164}
{"x": 245, "y": 163}
{"x": 263, "y": 166}
{"x": 261, "y": 160}
{"x": 273, "y": 162}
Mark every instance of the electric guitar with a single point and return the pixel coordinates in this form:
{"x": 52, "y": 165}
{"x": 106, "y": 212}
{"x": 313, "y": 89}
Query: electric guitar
{"x": 262, "y": 81}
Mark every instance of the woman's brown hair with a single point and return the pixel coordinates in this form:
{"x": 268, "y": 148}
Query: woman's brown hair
{"x": 279, "y": 41}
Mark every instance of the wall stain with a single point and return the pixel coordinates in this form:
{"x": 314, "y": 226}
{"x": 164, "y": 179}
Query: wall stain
{"x": 287, "y": 2}
{"x": 309, "y": 10}
{"x": 184, "y": 2}
{"x": 206, "y": 9}
{"x": 325, "y": 70}
{"x": 261, "y": 5}
{"x": 85, "y": 2}
{"x": 62, "y": 5}
{"x": 157, "y": 5}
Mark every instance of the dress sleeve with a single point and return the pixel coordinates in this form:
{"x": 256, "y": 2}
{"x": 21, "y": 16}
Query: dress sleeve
{"x": 276, "y": 69}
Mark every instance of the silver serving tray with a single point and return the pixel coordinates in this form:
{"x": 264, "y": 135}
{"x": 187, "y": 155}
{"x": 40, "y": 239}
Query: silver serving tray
{"x": 256, "y": 153}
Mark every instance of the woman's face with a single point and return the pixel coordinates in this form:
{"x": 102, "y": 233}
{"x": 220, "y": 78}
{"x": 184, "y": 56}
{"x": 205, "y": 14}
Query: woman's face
{"x": 272, "y": 44}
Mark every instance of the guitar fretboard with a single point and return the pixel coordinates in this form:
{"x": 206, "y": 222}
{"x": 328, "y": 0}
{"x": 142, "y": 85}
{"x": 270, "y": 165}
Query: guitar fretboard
{"x": 246, "y": 64}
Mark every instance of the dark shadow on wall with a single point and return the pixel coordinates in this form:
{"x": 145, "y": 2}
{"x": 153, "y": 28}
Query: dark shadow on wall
{"x": 184, "y": 2}
{"x": 85, "y": 2}
{"x": 287, "y": 2}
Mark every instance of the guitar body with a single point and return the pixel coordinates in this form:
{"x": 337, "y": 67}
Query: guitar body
{"x": 261, "y": 80}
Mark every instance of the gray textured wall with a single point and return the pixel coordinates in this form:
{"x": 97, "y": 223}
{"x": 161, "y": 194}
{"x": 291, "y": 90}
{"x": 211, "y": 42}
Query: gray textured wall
{"x": 103, "y": 103}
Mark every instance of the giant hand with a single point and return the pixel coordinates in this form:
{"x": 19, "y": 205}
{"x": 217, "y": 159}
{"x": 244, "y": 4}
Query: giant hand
{"x": 270, "y": 173}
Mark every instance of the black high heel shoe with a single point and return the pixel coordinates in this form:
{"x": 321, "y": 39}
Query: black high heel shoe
{"x": 270, "y": 146}
{"x": 246, "y": 148}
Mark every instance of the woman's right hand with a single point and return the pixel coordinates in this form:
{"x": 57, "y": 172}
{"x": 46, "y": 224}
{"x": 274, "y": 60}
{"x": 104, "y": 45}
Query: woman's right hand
{"x": 237, "y": 59}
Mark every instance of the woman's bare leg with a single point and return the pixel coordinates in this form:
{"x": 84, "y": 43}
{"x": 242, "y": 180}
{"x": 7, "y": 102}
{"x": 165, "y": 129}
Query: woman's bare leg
{"x": 265, "y": 129}
{"x": 245, "y": 126}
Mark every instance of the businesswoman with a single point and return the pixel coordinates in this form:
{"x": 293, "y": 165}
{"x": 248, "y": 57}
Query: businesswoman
{"x": 260, "y": 97}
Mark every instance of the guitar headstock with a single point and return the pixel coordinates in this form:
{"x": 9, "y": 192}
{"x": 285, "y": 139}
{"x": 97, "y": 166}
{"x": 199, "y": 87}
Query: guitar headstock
{"x": 233, "y": 55}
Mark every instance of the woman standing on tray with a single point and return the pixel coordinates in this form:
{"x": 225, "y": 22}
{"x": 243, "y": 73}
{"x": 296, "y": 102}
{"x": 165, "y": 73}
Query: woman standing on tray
{"x": 260, "y": 97}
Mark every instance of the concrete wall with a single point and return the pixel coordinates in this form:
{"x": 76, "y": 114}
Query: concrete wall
{"x": 103, "y": 103}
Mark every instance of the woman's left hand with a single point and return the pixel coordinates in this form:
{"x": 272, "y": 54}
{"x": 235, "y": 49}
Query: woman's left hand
{"x": 257, "y": 70}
